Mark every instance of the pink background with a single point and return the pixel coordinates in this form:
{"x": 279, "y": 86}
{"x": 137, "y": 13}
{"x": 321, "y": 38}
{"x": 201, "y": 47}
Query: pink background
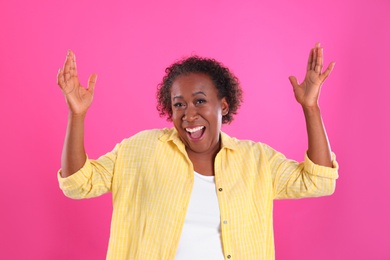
{"x": 129, "y": 44}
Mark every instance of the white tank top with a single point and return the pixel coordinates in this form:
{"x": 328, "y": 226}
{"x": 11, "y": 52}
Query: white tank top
{"x": 201, "y": 236}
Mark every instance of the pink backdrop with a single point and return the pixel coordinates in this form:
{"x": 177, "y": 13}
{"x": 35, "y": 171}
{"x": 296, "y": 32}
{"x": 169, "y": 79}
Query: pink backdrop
{"x": 129, "y": 43}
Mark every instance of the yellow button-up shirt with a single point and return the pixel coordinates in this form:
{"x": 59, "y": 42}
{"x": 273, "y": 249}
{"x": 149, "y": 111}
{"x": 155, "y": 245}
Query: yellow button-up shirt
{"x": 151, "y": 179}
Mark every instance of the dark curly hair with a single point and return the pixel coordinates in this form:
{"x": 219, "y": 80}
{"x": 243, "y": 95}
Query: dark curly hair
{"x": 226, "y": 83}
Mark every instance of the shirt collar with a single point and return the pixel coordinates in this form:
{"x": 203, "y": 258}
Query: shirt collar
{"x": 228, "y": 142}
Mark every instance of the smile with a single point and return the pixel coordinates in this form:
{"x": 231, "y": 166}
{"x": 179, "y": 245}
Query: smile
{"x": 196, "y": 132}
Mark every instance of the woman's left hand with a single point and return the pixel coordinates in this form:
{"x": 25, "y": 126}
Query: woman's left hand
{"x": 307, "y": 93}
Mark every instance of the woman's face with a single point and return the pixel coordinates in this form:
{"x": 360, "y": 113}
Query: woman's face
{"x": 197, "y": 112}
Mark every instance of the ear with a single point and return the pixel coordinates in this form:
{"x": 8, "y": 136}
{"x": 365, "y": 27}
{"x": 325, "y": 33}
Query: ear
{"x": 224, "y": 106}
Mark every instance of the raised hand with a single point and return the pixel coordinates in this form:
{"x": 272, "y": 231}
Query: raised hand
{"x": 77, "y": 97}
{"x": 307, "y": 93}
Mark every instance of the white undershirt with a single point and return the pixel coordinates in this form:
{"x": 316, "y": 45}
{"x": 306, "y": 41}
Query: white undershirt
{"x": 201, "y": 235}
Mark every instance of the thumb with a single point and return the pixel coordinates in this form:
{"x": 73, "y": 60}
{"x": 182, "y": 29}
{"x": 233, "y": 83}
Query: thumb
{"x": 92, "y": 82}
{"x": 293, "y": 81}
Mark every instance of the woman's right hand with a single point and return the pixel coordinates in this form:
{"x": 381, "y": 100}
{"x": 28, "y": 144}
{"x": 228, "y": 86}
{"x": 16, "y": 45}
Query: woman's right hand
{"x": 77, "y": 97}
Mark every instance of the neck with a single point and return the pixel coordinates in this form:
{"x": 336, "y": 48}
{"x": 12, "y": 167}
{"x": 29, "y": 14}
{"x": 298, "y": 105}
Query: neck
{"x": 204, "y": 162}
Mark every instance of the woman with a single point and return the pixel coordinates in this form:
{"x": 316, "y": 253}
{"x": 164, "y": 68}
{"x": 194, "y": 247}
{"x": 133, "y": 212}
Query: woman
{"x": 192, "y": 191}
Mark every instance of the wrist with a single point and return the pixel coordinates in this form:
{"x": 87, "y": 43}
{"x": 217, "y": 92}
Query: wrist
{"x": 311, "y": 109}
{"x": 76, "y": 117}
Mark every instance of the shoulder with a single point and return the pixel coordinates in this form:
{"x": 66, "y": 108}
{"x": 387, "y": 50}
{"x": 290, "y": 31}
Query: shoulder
{"x": 145, "y": 137}
{"x": 241, "y": 145}
{"x": 249, "y": 149}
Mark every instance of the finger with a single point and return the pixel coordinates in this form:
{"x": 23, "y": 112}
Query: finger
{"x": 91, "y": 83}
{"x": 67, "y": 67}
{"x": 60, "y": 79}
{"x": 73, "y": 63}
{"x": 66, "y": 59}
{"x": 293, "y": 81}
{"x": 70, "y": 69}
{"x": 328, "y": 70}
{"x": 310, "y": 60}
{"x": 320, "y": 61}
{"x": 314, "y": 61}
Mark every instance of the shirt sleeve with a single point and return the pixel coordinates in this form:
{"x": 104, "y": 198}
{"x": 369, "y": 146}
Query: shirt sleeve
{"x": 92, "y": 180}
{"x": 292, "y": 179}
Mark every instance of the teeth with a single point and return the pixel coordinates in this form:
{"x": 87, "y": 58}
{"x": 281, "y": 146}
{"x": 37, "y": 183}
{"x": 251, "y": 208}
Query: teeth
{"x": 193, "y": 130}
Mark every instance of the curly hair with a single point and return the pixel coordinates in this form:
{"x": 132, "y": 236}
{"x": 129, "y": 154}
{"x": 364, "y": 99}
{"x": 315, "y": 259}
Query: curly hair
{"x": 227, "y": 84}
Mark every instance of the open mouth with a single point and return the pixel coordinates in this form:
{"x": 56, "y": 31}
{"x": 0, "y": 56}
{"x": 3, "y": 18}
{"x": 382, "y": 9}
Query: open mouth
{"x": 195, "y": 133}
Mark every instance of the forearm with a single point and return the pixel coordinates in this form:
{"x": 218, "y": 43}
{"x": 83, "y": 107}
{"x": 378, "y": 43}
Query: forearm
{"x": 73, "y": 153}
{"x": 319, "y": 150}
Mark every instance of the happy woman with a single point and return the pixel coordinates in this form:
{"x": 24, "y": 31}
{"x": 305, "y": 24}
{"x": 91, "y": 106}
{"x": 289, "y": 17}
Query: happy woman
{"x": 192, "y": 191}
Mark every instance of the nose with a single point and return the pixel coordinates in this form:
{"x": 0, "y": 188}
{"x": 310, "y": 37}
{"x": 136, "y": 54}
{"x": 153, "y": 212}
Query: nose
{"x": 190, "y": 114}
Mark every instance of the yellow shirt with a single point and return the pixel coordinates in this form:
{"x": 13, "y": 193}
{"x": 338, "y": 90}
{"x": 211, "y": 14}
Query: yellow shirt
{"x": 151, "y": 178}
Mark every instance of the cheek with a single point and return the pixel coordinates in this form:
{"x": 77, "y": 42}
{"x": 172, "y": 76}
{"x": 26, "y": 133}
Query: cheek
{"x": 176, "y": 116}
{"x": 213, "y": 116}
{"x": 212, "y": 111}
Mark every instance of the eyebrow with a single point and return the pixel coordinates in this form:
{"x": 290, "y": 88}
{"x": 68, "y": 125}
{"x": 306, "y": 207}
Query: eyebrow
{"x": 194, "y": 94}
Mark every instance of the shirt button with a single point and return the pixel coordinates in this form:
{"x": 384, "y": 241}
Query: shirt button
{"x": 225, "y": 222}
{"x": 229, "y": 256}
{"x": 220, "y": 189}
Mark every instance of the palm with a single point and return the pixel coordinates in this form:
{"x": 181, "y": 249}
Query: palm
{"x": 307, "y": 93}
{"x": 77, "y": 97}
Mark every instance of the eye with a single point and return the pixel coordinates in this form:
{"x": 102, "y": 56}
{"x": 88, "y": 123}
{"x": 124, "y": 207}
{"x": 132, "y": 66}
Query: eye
{"x": 178, "y": 104}
{"x": 200, "y": 101}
